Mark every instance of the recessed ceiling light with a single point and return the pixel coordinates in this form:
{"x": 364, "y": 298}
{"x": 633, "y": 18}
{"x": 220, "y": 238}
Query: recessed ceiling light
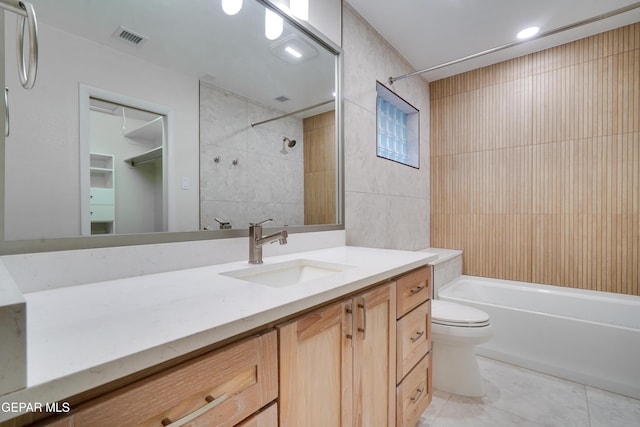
{"x": 528, "y": 33}
{"x": 291, "y": 51}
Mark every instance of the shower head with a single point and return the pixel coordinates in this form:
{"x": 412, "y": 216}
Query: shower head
{"x": 290, "y": 143}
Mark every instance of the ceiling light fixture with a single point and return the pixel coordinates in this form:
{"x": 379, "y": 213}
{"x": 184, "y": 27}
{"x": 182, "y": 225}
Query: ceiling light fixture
{"x": 291, "y": 51}
{"x": 273, "y": 24}
{"x": 300, "y": 9}
{"x": 528, "y": 33}
{"x": 294, "y": 49}
{"x": 231, "y": 7}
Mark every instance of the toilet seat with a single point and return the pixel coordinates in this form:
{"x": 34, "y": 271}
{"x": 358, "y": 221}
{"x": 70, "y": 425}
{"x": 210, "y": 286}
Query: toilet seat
{"x": 451, "y": 314}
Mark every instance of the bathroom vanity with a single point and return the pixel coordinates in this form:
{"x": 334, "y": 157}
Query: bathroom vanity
{"x": 208, "y": 341}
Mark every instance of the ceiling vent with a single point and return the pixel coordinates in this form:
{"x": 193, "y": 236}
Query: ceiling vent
{"x": 282, "y": 99}
{"x": 130, "y": 37}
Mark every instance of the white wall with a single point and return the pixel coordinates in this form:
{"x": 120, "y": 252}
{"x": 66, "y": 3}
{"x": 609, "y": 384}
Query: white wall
{"x": 42, "y": 167}
{"x": 265, "y": 183}
{"x": 386, "y": 203}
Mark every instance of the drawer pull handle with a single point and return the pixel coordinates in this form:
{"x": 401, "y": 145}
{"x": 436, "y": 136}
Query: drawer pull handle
{"x": 7, "y": 129}
{"x": 415, "y": 398}
{"x": 350, "y": 312}
{"x": 212, "y": 403}
{"x": 417, "y": 336}
{"x": 416, "y": 289}
{"x": 363, "y": 306}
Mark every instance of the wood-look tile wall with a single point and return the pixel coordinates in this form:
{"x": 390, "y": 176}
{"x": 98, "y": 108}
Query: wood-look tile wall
{"x": 320, "y": 169}
{"x": 536, "y": 165}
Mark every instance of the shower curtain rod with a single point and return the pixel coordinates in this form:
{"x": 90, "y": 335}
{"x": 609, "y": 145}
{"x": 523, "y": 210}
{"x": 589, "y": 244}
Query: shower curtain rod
{"x": 254, "y": 124}
{"x": 508, "y": 45}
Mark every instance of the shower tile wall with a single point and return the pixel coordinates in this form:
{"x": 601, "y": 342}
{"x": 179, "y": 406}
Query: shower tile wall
{"x": 386, "y": 203}
{"x": 265, "y": 183}
{"x": 542, "y": 182}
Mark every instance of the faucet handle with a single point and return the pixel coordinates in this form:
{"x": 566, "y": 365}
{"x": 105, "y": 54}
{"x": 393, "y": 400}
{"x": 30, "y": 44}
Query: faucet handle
{"x": 261, "y": 222}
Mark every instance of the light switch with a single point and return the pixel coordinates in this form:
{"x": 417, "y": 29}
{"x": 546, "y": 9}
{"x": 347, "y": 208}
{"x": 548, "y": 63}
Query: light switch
{"x": 185, "y": 183}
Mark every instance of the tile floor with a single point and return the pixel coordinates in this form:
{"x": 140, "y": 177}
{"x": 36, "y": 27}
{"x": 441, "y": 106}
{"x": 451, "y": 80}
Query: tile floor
{"x": 519, "y": 397}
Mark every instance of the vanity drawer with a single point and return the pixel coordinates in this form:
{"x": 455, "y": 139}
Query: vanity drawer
{"x": 414, "y": 394}
{"x": 413, "y": 289}
{"x": 266, "y": 418}
{"x": 413, "y": 338}
{"x": 242, "y": 377}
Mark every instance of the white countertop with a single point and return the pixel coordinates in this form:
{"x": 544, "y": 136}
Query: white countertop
{"x": 84, "y": 336}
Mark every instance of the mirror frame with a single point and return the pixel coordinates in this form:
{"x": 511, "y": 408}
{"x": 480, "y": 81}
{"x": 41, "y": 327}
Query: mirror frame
{"x": 12, "y": 247}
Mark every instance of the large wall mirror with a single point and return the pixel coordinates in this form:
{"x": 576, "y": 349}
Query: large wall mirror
{"x": 171, "y": 119}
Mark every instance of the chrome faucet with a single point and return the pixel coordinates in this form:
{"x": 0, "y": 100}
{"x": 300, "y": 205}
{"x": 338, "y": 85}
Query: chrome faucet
{"x": 256, "y": 240}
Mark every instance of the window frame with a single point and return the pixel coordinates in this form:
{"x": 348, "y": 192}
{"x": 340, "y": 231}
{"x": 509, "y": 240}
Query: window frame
{"x": 410, "y": 136}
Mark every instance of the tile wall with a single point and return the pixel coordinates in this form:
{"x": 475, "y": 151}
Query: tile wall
{"x": 264, "y": 183}
{"x": 386, "y": 203}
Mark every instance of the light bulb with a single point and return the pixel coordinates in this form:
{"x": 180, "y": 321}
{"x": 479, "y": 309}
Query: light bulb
{"x": 231, "y": 7}
{"x": 273, "y": 24}
{"x": 300, "y": 9}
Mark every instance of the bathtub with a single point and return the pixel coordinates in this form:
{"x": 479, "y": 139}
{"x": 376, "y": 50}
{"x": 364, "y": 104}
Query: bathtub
{"x": 585, "y": 336}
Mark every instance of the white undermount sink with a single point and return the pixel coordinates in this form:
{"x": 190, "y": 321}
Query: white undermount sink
{"x": 287, "y": 273}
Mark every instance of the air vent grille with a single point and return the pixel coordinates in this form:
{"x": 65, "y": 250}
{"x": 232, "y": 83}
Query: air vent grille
{"x": 282, "y": 99}
{"x": 130, "y": 37}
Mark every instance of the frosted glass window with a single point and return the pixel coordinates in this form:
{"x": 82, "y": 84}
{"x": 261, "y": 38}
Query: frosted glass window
{"x": 397, "y": 128}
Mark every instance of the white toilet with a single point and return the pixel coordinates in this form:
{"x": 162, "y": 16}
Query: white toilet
{"x": 456, "y": 329}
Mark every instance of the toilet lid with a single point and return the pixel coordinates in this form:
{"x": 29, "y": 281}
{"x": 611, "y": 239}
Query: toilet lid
{"x": 453, "y": 314}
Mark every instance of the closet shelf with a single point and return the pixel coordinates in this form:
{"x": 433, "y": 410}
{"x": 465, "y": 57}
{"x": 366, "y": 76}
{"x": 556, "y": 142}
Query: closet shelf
{"x": 147, "y": 156}
{"x": 150, "y": 132}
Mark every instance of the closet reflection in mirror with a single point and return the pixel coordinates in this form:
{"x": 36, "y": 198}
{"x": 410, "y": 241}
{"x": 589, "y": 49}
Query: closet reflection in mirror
{"x": 126, "y": 148}
{"x": 213, "y": 74}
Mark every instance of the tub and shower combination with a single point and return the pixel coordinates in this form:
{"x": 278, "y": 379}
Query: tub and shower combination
{"x": 585, "y": 336}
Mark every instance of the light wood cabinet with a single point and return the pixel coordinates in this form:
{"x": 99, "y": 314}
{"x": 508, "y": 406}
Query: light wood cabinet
{"x": 361, "y": 361}
{"x": 414, "y": 365}
{"x": 414, "y": 393}
{"x": 221, "y": 388}
{"x": 316, "y": 368}
{"x": 337, "y": 363}
{"x": 414, "y": 338}
{"x": 374, "y": 357}
{"x": 266, "y": 418}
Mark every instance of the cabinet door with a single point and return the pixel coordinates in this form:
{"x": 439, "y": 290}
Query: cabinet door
{"x": 316, "y": 368}
{"x": 102, "y": 196}
{"x": 375, "y": 357}
{"x": 102, "y": 212}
